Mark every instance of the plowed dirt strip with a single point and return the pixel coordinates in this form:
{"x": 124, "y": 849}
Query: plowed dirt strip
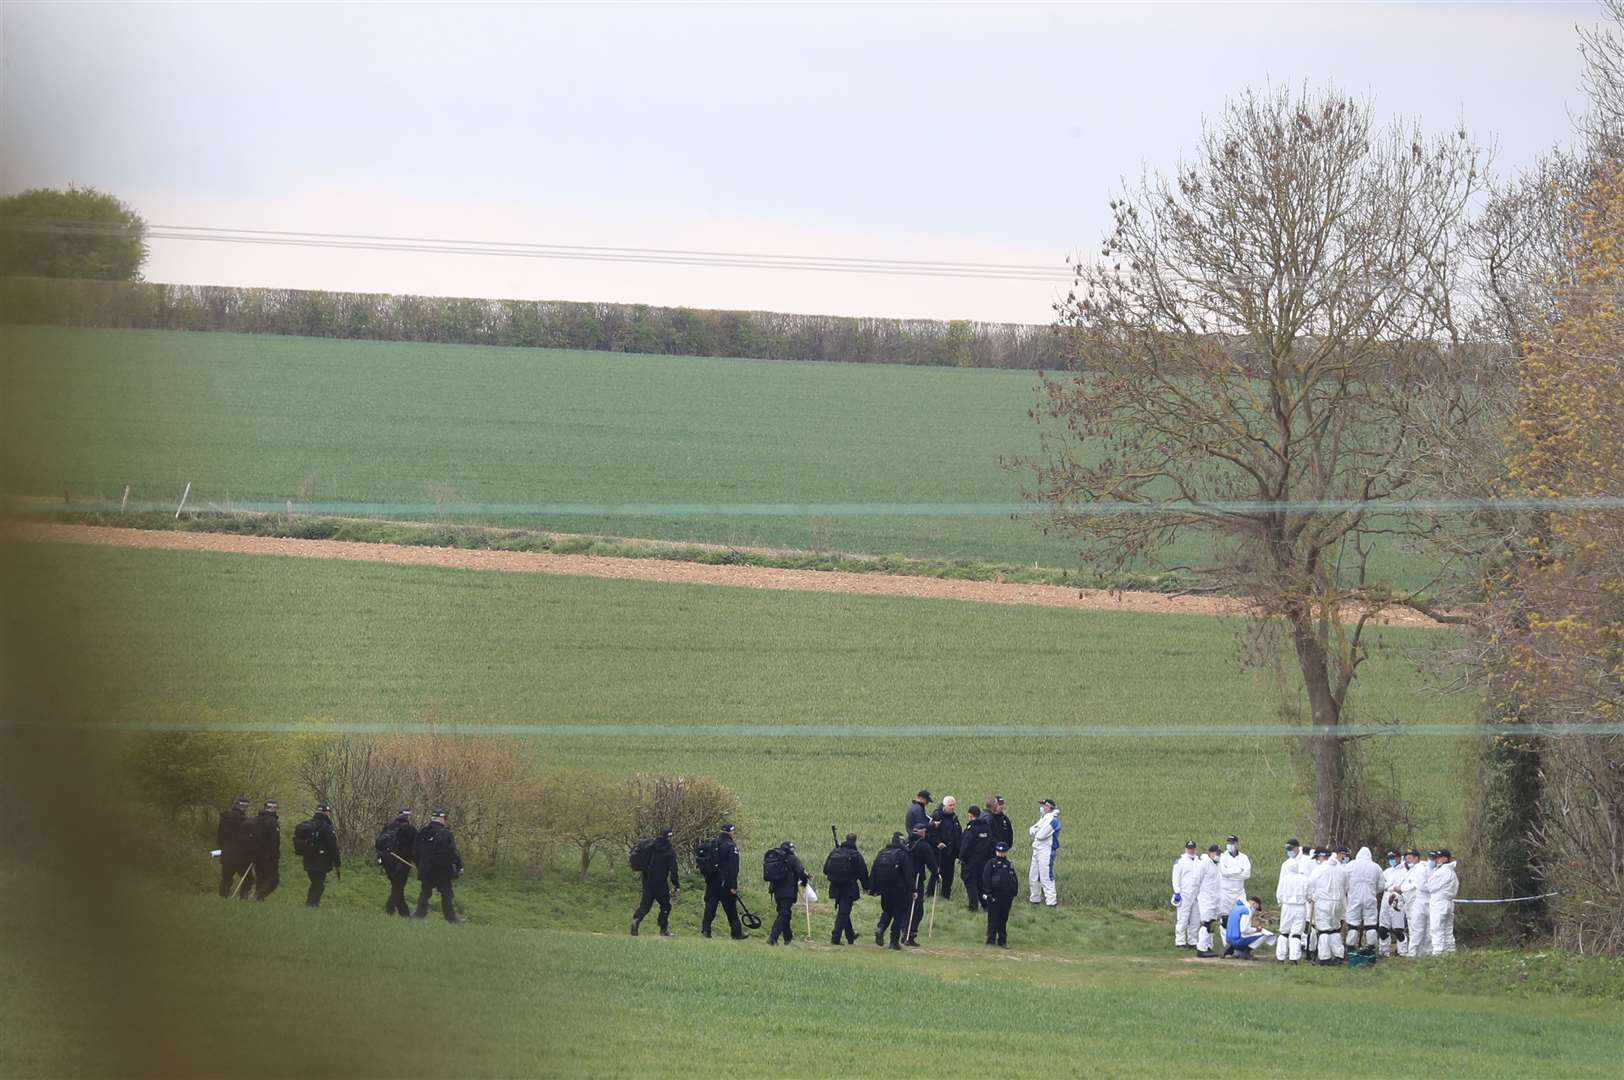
{"x": 661, "y": 570}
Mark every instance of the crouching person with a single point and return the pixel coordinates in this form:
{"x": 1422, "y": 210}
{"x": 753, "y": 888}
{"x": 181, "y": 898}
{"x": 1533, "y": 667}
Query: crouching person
{"x": 1240, "y": 935}
{"x": 439, "y": 863}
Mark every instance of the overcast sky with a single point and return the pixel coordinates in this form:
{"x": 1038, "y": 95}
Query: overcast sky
{"x": 965, "y": 133}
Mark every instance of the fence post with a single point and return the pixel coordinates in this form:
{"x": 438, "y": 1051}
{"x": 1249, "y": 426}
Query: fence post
{"x": 183, "y": 495}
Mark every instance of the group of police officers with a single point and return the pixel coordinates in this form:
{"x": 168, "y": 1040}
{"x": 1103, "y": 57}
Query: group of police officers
{"x": 916, "y": 866}
{"x": 1329, "y": 903}
{"x": 250, "y": 850}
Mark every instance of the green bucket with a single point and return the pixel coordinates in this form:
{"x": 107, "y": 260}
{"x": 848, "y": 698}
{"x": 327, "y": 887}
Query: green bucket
{"x": 1361, "y": 959}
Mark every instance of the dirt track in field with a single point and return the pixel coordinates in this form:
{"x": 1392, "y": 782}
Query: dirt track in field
{"x": 660, "y": 570}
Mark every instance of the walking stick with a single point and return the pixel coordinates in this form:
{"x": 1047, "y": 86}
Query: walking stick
{"x": 808, "y": 916}
{"x": 931, "y": 929}
{"x": 408, "y": 862}
{"x": 246, "y": 874}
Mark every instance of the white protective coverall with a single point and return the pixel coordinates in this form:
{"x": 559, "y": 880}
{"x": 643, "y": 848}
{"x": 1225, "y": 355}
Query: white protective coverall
{"x": 1328, "y": 886}
{"x": 1187, "y": 910}
{"x": 1413, "y": 896}
{"x": 1364, "y": 899}
{"x": 1443, "y": 885}
{"x": 1045, "y": 845}
{"x": 1233, "y": 870}
{"x": 1390, "y": 920}
{"x": 1292, "y": 896}
{"x": 1208, "y": 894}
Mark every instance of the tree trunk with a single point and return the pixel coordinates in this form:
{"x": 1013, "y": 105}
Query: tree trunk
{"x": 586, "y": 859}
{"x": 1324, "y": 742}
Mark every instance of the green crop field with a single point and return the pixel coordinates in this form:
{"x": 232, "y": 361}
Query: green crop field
{"x": 211, "y": 989}
{"x": 892, "y": 693}
{"x": 270, "y": 419}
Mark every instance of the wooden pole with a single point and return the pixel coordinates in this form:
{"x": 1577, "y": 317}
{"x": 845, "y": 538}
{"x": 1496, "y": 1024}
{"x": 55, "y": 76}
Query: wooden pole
{"x": 125, "y": 501}
{"x": 183, "y": 495}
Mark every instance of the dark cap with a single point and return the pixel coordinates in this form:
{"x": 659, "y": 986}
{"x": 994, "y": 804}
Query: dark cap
{"x": 1322, "y": 853}
{"x": 1000, "y": 847}
{"x": 1212, "y": 849}
{"x": 323, "y": 808}
{"x": 1293, "y": 843}
{"x": 728, "y": 827}
{"x": 438, "y": 815}
{"x": 1232, "y": 839}
{"x": 788, "y": 845}
{"x": 1050, "y": 803}
{"x": 241, "y": 800}
{"x": 271, "y": 804}
{"x": 665, "y": 830}
{"x": 406, "y": 811}
{"x": 1444, "y": 853}
{"x": 1414, "y": 852}
{"x": 975, "y": 811}
{"x": 1393, "y": 852}
{"x": 923, "y": 794}
{"x": 999, "y": 799}
{"x": 919, "y": 829}
{"x": 1188, "y": 844}
{"x": 1342, "y": 850}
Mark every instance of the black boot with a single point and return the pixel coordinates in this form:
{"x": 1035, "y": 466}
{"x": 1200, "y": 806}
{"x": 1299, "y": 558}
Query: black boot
{"x": 634, "y": 926}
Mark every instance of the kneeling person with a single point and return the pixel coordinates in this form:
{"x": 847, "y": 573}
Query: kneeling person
{"x": 1239, "y": 933}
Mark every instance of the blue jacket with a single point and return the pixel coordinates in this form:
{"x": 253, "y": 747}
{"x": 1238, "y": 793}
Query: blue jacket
{"x": 1232, "y": 925}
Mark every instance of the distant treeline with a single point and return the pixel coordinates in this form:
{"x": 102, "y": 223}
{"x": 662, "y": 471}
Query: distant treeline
{"x": 553, "y": 324}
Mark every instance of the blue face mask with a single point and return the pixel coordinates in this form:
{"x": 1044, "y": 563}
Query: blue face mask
{"x": 1392, "y": 862}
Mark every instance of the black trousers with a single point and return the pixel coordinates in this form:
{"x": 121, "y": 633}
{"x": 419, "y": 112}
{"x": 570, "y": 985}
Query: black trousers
{"x": 998, "y": 919}
{"x": 972, "y": 884}
{"x": 893, "y": 913}
{"x": 947, "y": 863}
{"x": 715, "y": 894}
{"x": 655, "y": 892}
{"x": 230, "y": 870}
{"x": 267, "y": 876}
{"x": 916, "y": 913}
{"x": 843, "y": 921}
{"x": 426, "y": 889}
{"x": 784, "y": 925}
{"x": 398, "y": 875}
{"x": 318, "y": 885}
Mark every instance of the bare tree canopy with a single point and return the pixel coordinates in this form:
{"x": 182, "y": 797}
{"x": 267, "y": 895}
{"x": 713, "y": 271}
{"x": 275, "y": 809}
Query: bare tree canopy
{"x": 1268, "y": 351}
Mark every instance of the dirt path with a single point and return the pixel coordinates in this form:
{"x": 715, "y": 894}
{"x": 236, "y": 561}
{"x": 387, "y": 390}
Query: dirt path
{"x": 663, "y": 570}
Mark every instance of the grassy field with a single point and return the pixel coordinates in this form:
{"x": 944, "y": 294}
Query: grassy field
{"x": 269, "y": 419}
{"x": 815, "y": 708}
{"x": 202, "y": 988}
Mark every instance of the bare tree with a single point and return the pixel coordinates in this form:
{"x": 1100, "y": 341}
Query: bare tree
{"x": 1266, "y": 353}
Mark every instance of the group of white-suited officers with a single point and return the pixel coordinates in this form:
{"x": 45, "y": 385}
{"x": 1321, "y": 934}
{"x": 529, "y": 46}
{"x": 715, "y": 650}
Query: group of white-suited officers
{"x": 1329, "y": 903}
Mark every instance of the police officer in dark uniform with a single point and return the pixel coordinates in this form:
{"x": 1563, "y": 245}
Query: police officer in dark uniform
{"x": 974, "y": 850}
{"x": 893, "y": 878}
{"x": 266, "y": 845}
{"x": 398, "y": 841}
{"x": 661, "y": 865}
{"x": 784, "y": 892}
{"x": 439, "y": 863}
{"x": 924, "y": 863}
{"x": 846, "y": 863}
{"x": 944, "y": 836}
{"x": 999, "y": 885}
{"x": 723, "y": 887}
{"x": 999, "y": 827}
{"x": 321, "y": 854}
{"x": 234, "y": 858}
{"x": 918, "y": 813}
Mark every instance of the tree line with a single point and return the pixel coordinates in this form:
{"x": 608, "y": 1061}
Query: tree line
{"x": 551, "y": 324}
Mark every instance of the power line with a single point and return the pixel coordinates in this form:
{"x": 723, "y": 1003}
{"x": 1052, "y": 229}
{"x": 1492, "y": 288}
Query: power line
{"x": 578, "y": 252}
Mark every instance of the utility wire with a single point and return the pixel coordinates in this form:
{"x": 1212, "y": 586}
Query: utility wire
{"x": 579, "y": 252}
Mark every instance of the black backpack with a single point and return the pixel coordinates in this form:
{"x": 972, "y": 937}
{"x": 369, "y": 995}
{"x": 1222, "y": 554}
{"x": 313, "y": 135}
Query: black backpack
{"x": 304, "y": 838}
{"x": 637, "y": 857}
{"x": 775, "y": 866}
{"x": 838, "y": 867}
{"x": 709, "y": 858}
{"x": 386, "y": 841}
{"x": 888, "y": 870}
